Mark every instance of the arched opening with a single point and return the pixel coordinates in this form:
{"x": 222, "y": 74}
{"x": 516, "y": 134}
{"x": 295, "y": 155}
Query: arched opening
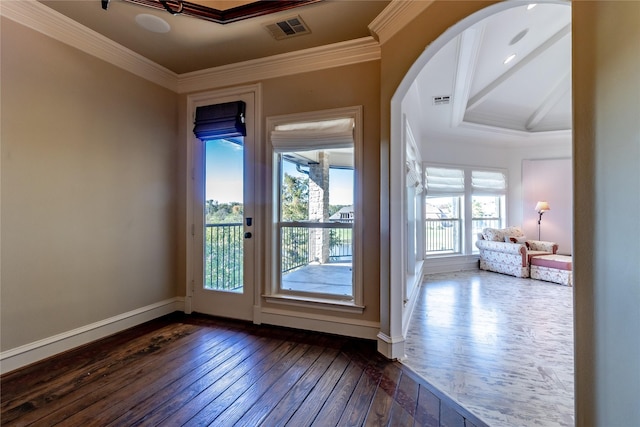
{"x": 449, "y": 103}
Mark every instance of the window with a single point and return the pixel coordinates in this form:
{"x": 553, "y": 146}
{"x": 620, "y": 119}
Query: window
{"x": 451, "y": 222}
{"x": 315, "y": 209}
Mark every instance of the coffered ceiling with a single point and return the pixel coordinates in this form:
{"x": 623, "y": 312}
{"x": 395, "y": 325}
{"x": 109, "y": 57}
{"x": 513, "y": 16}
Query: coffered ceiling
{"x": 468, "y": 91}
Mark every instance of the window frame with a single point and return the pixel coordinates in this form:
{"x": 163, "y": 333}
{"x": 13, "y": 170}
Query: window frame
{"x": 466, "y": 200}
{"x": 273, "y": 291}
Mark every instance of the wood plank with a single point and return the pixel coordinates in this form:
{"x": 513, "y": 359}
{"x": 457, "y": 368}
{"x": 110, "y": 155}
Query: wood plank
{"x": 273, "y": 366}
{"x": 256, "y": 403}
{"x": 197, "y": 370}
{"x": 162, "y": 402}
{"x": 278, "y": 412}
{"x": 61, "y": 390}
{"x": 449, "y": 417}
{"x": 115, "y": 388}
{"x": 333, "y": 408}
{"x": 184, "y": 405}
{"x": 428, "y": 409}
{"x": 380, "y": 409}
{"x": 305, "y": 413}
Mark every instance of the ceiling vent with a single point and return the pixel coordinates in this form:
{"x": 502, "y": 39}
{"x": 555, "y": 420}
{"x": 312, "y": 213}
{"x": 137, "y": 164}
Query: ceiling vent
{"x": 290, "y": 27}
{"x": 441, "y": 100}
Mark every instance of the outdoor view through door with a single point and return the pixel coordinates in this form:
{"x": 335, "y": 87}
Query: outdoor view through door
{"x": 315, "y": 188}
{"x": 224, "y": 214}
{"x": 224, "y": 222}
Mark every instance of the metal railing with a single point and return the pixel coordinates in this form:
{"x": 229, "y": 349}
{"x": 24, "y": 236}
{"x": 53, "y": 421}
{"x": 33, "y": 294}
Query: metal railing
{"x": 223, "y": 251}
{"x": 223, "y": 257}
{"x": 443, "y": 236}
{"x": 295, "y": 242}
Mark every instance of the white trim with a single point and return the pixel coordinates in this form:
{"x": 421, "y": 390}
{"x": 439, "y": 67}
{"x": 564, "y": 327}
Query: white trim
{"x": 253, "y": 91}
{"x": 314, "y": 302}
{"x": 38, "y": 17}
{"x": 395, "y": 17}
{"x": 29, "y": 353}
{"x": 390, "y": 337}
{"x": 391, "y": 347}
{"x": 355, "y": 112}
{"x": 450, "y": 264}
{"x": 320, "y": 323}
{"x": 286, "y": 64}
{"x": 49, "y": 22}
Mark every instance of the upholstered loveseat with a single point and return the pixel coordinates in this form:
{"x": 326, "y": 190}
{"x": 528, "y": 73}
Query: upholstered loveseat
{"x": 508, "y": 251}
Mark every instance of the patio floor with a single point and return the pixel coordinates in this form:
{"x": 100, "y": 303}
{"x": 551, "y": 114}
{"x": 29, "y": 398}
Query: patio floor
{"x": 332, "y": 278}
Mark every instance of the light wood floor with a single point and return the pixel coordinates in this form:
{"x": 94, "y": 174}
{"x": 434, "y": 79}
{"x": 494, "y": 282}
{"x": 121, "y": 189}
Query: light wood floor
{"x": 196, "y": 370}
{"x": 499, "y": 345}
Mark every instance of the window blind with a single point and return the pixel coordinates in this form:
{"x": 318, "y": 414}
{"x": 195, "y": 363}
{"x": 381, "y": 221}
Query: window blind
{"x": 220, "y": 121}
{"x": 444, "y": 181}
{"x": 490, "y": 182}
{"x": 325, "y": 134}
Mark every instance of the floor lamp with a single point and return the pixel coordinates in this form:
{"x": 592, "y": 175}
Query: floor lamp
{"x": 541, "y": 207}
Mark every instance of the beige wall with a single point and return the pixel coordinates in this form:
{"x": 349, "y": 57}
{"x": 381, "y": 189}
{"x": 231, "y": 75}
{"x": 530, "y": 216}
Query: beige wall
{"x": 321, "y": 90}
{"x": 88, "y": 189}
{"x": 606, "y": 91}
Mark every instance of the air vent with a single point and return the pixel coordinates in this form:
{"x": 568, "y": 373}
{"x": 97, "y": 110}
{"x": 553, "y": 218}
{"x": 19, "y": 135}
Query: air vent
{"x": 290, "y": 27}
{"x": 441, "y": 100}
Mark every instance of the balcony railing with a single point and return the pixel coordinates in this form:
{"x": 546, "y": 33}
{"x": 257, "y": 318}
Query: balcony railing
{"x": 223, "y": 257}
{"x": 443, "y": 236}
{"x": 223, "y": 251}
{"x": 295, "y": 243}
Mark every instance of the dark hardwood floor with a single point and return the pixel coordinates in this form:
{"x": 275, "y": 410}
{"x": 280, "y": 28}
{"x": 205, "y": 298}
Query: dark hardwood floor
{"x": 198, "y": 370}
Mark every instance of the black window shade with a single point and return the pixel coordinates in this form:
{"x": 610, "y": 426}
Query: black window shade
{"x": 220, "y": 121}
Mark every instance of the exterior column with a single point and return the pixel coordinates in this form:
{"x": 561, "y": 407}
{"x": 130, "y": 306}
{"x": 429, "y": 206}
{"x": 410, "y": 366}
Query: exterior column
{"x": 319, "y": 208}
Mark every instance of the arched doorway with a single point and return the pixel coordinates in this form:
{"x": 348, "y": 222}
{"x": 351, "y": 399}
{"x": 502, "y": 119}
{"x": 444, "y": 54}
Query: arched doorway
{"x": 403, "y": 281}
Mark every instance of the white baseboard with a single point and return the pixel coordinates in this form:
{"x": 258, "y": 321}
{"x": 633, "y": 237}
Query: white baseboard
{"x": 391, "y": 348}
{"x": 320, "y": 323}
{"x": 29, "y": 353}
{"x": 450, "y": 264}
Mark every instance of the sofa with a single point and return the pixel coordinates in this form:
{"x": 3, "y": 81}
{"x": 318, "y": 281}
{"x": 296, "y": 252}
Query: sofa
{"x": 508, "y": 251}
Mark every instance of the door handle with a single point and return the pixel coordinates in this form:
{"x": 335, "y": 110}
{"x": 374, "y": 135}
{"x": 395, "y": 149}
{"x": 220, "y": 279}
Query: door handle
{"x": 247, "y": 235}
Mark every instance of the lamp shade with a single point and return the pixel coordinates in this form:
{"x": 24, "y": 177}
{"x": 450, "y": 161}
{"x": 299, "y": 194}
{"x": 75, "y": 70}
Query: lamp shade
{"x": 542, "y": 207}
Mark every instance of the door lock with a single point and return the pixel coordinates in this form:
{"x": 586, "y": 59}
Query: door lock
{"x": 247, "y": 235}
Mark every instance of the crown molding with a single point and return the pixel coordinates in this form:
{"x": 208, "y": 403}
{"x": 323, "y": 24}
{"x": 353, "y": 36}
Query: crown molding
{"x": 39, "y": 17}
{"x": 318, "y": 58}
{"x": 47, "y": 21}
{"x": 396, "y": 16}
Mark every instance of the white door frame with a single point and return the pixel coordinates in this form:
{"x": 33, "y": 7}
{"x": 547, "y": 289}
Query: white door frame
{"x": 209, "y": 98}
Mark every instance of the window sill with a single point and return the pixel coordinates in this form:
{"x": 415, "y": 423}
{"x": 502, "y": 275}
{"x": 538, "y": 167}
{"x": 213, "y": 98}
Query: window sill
{"x": 315, "y": 302}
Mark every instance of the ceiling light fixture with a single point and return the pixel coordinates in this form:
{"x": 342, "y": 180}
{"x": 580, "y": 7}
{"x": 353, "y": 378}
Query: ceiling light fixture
{"x": 152, "y": 23}
{"x": 531, "y": 6}
{"x": 509, "y": 58}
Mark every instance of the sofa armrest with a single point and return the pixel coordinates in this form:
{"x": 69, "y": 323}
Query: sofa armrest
{"x": 509, "y": 248}
{"x": 539, "y": 245}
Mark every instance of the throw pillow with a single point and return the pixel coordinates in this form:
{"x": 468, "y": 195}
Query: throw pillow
{"x": 493, "y": 235}
{"x": 513, "y": 232}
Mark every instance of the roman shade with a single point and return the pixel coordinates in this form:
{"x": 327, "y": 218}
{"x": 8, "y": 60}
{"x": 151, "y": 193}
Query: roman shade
{"x": 488, "y": 182}
{"x": 220, "y": 121}
{"x": 444, "y": 181}
{"x": 304, "y": 136}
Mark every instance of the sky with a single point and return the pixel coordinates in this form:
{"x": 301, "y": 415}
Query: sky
{"x": 224, "y": 175}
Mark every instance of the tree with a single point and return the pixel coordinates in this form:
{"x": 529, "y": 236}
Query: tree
{"x": 295, "y": 198}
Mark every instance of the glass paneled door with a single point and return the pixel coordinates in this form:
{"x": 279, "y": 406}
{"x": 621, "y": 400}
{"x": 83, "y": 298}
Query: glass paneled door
{"x": 224, "y": 226}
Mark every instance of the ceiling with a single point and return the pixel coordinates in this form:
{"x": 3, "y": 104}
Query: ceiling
{"x": 194, "y": 44}
{"x": 529, "y": 98}
{"x": 489, "y": 101}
